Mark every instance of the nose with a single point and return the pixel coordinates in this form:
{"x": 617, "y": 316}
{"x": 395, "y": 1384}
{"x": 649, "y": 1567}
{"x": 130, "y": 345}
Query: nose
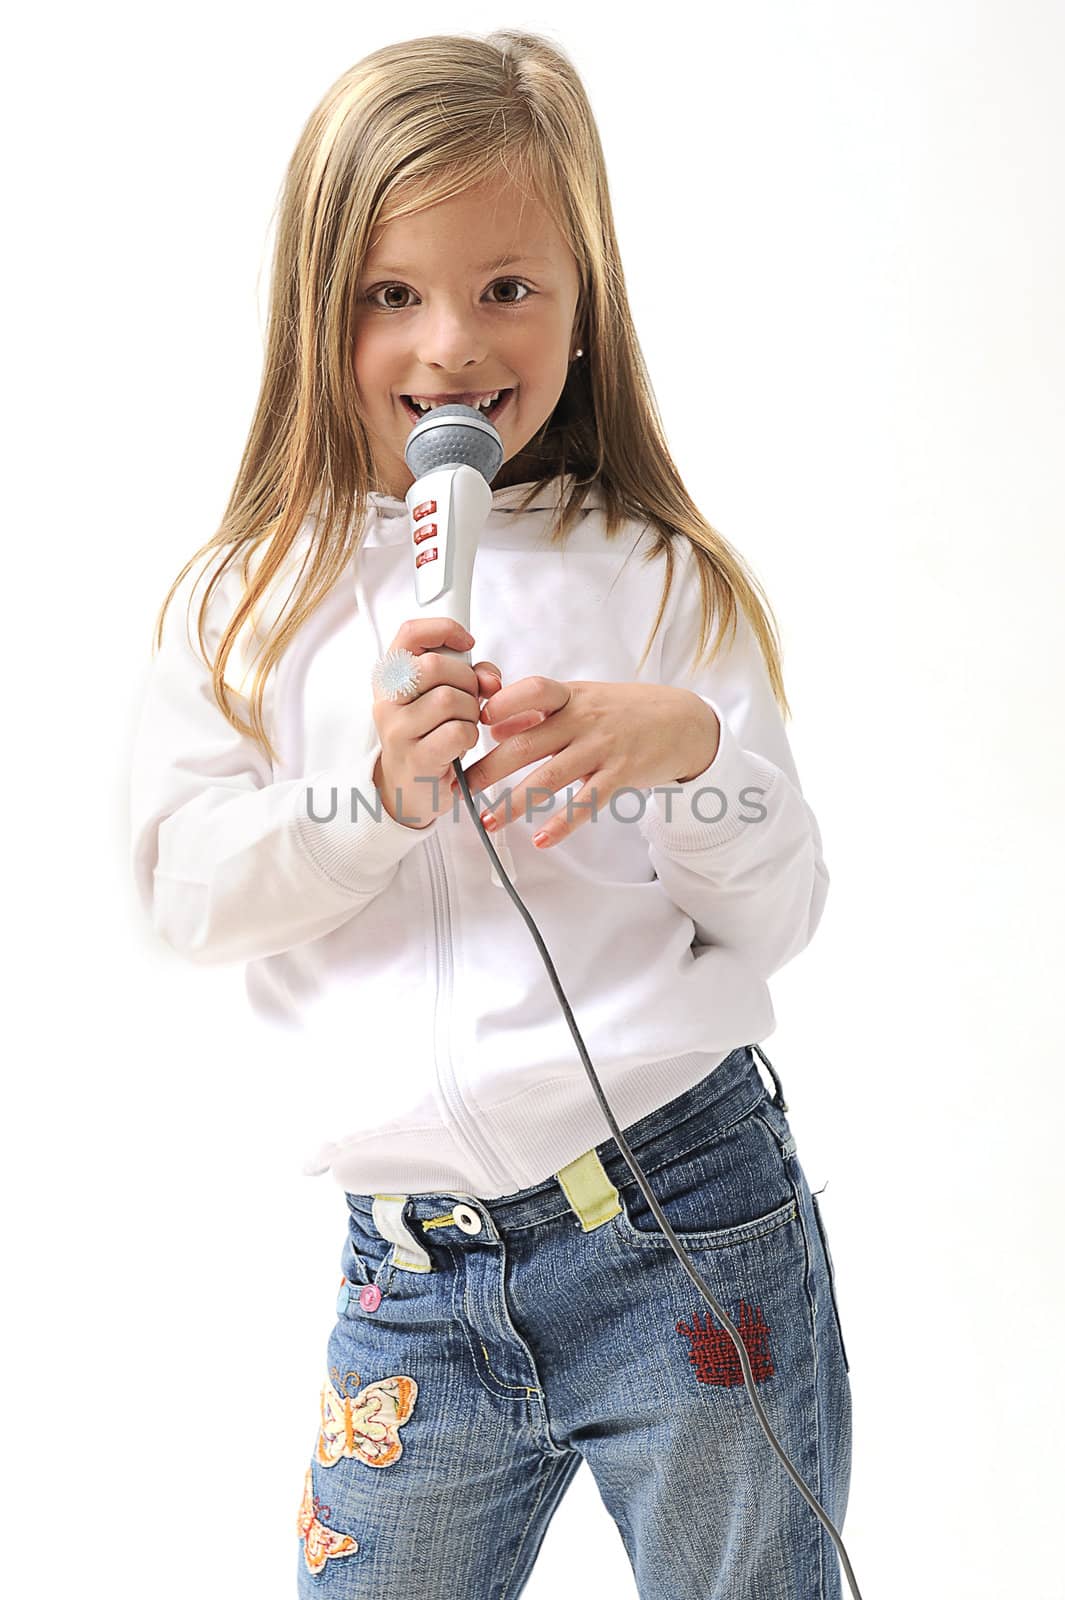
{"x": 448, "y": 342}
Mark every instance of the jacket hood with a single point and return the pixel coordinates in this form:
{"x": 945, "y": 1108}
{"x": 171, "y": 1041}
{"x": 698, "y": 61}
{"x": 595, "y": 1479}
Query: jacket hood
{"x": 388, "y": 525}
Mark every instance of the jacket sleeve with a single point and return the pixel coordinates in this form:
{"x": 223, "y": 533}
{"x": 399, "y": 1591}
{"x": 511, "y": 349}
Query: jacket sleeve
{"x": 737, "y": 847}
{"x": 230, "y": 865}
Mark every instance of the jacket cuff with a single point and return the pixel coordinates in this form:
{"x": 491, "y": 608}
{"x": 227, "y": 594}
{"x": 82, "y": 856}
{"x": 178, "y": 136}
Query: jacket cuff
{"x": 342, "y": 824}
{"x": 720, "y": 804}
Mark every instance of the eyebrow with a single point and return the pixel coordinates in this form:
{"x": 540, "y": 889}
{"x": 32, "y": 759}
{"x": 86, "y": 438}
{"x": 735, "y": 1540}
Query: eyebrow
{"x": 485, "y": 266}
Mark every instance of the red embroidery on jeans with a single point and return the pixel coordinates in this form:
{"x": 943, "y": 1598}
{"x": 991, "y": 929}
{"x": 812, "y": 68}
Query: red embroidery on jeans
{"x": 715, "y": 1357}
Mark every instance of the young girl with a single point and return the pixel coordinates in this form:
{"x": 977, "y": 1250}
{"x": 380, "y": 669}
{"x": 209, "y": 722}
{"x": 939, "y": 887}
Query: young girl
{"x": 509, "y": 1306}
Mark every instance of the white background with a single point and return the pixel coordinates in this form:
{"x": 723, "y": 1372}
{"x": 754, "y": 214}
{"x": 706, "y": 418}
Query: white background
{"x": 842, "y": 231}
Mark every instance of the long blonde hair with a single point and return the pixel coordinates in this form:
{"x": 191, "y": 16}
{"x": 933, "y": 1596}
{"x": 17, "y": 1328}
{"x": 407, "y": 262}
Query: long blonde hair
{"x": 409, "y": 125}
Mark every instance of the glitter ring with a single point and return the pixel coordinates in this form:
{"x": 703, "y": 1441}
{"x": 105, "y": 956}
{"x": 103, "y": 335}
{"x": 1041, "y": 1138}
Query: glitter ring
{"x": 395, "y": 674}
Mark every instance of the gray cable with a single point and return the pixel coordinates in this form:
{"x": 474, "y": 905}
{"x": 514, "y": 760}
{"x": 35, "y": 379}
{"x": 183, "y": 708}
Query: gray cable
{"x": 637, "y": 1173}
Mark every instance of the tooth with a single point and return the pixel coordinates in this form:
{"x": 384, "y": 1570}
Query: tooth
{"x": 431, "y": 405}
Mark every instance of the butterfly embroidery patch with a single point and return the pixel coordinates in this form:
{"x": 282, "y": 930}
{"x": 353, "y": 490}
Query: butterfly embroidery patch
{"x": 319, "y": 1542}
{"x": 365, "y": 1425}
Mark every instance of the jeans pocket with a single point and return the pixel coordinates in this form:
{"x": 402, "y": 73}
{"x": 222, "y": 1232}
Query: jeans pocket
{"x": 365, "y": 1254}
{"x": 831, "y": 1276}
{"x": 730, "y": 1188}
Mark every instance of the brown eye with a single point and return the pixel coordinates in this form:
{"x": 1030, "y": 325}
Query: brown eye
{"x": 517, "y": 285}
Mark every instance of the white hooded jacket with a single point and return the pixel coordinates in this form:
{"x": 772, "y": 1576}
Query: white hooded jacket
{"x": 388, "y": 962}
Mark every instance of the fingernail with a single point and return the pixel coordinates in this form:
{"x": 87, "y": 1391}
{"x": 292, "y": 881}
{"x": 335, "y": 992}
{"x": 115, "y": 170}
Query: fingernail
{"x": 488, "y": 822}
{"x": 540, "y": 839}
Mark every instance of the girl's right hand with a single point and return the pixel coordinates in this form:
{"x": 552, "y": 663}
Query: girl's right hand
{"x": 421, "y": 736}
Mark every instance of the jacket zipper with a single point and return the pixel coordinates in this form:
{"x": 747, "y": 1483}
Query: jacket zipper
{"x": 445, "y": 974}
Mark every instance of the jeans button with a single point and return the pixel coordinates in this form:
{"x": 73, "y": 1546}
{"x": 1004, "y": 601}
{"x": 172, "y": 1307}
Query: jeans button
{"x": 467, "y": 1219}
{"x": 369, "y": 1297}
{"x": 343, "y": 1297}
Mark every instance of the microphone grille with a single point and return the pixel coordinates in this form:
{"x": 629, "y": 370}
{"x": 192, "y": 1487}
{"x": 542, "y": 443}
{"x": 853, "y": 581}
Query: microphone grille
{"x": 454, "y": 436}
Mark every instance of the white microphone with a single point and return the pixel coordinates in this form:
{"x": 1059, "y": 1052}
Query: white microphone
{"x": 454, "y": 453}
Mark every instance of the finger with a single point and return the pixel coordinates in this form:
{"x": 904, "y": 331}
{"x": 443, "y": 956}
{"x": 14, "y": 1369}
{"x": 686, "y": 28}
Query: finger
{"x": 518, "y": 723}
{"x": 412, "y": 679}
{"x": 503, "y": 760}
{"x": 584, "y": 806}
{"x": 495, "y": 764}
{"x": 527, "y": 694}
{"x": 489, "y": 678}
{"x": 547, "y": 825}
{"x": 444, "y": 641}
{"x": 528, "y": 803}
{"x": 432, "y": 633}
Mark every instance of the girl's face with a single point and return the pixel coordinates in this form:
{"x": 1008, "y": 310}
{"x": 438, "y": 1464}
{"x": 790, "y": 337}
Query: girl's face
{"x": 439, "y": 314}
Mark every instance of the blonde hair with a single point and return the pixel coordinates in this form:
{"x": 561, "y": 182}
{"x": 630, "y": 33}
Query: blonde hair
{"x": 409, "y": 125}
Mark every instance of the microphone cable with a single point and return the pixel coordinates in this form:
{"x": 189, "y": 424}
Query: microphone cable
{"x": 645, "y": 1188}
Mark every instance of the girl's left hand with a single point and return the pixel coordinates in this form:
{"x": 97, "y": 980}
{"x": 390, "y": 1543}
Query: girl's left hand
{"x": 610, "y": 735}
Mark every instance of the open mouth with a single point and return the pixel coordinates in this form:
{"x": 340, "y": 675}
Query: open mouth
{"x": 491, "y": 413}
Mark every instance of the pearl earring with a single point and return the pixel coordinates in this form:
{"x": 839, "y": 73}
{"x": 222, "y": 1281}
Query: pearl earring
{"x": 577, "y": 353}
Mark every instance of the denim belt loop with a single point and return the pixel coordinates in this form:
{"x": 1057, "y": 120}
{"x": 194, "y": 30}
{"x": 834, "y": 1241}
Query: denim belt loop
{"x": 388, "y": 1220}
{"x": 592, "y": 1197}
{"x": 778, "y": 1099}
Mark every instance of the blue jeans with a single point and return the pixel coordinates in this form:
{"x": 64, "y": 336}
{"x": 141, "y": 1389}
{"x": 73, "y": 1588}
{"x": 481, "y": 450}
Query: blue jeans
{"x": 484, "y": 1348}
